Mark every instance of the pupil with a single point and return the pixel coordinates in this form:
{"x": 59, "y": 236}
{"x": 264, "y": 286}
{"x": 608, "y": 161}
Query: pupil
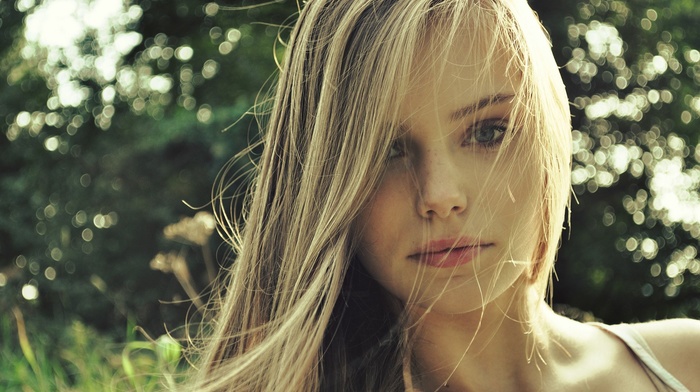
{"x": 485, "y": 135}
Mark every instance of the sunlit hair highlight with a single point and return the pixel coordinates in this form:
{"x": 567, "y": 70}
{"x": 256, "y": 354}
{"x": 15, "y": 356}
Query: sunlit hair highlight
{"x": 297, "y": 311}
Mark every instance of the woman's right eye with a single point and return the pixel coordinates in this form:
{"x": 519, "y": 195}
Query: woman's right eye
{"x": 396, "y": 150}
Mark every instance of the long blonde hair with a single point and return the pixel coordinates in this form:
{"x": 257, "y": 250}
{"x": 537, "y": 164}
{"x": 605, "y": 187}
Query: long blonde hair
{"x": 297, "y": 312}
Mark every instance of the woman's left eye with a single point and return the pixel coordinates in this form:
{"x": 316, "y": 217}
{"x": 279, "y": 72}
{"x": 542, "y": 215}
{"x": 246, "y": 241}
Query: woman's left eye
{"x": 487, "y": 133}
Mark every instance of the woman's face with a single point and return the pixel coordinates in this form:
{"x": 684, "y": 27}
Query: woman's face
{"x": 444, "y": 188}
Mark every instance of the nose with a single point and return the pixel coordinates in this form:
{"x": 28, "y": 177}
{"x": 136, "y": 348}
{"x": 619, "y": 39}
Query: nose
{"x": 442, "y": 187}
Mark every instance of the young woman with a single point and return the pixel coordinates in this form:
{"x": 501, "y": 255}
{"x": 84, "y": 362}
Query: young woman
{"x": 403, "y": 226}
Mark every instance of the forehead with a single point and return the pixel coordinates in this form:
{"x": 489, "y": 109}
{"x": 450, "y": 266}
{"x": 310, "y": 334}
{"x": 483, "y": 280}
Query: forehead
{"x": 449, "y": 74}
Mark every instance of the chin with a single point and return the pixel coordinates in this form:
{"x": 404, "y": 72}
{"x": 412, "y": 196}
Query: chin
{"x": 462, "y": 295}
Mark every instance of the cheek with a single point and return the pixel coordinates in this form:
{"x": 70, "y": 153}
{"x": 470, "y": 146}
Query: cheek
{"x": 376, "y": 228}
{"x": 388, "y": 211}
{"x": 518, "y": 207}
{"x": 382, "y": 228}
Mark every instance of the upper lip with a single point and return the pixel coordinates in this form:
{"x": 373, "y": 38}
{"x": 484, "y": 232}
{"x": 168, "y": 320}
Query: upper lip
{"x": 442, "y": 245}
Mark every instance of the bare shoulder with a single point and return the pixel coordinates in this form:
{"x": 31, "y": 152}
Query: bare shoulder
{"x": 676, "y": 343}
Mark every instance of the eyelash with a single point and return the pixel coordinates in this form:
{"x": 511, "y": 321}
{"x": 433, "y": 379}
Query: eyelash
{"x": 499, "y": 125}
{"x": 398, "y": 148}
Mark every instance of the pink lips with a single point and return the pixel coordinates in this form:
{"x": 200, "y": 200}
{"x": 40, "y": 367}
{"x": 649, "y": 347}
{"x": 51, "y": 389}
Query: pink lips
{"x": 451, "y": 252}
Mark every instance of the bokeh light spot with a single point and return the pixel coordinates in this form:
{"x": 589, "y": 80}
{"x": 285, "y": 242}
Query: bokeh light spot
{"x": 50, "y": 273}
{"x": 30, "y": 292}
{"x": 184, "y": 53}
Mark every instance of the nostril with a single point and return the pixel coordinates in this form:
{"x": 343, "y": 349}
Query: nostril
{"x": 443, "y": 208}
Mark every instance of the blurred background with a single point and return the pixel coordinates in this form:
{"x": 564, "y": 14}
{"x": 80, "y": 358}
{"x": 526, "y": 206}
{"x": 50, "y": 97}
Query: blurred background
{"x": 116, "y": 117}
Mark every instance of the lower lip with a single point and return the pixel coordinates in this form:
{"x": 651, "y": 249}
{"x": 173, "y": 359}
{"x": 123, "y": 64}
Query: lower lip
{"x": 451, "y": 258}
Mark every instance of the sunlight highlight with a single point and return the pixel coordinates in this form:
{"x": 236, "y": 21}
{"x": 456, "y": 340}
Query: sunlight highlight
{"x": 58, "y": 30}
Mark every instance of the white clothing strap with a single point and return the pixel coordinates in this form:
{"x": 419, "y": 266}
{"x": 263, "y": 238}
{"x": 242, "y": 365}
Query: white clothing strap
{"x": 663, "y": 380}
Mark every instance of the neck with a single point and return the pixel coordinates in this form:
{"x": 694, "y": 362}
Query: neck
{"x": 498, "y": 347}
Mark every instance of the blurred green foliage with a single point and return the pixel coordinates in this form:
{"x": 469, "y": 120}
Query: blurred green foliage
{"x": 106, "y": 135}
{"x": 632, "y": 70}
{"x": 78, "y": 358}
{"x": 112, "y": 114}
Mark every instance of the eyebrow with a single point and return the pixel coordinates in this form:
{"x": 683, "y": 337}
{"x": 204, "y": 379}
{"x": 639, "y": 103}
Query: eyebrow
{"x": 482, "y": 103}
